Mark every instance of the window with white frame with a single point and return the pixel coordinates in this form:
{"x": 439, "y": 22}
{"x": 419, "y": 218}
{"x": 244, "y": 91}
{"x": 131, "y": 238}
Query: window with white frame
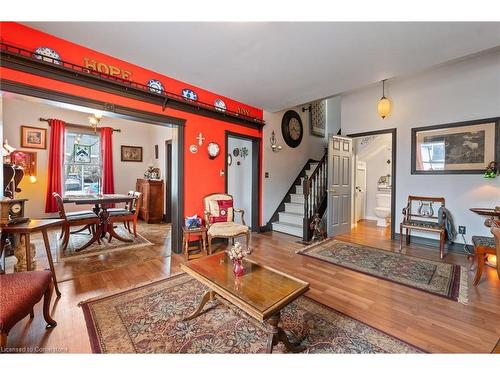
{"x": 82, "y": 162}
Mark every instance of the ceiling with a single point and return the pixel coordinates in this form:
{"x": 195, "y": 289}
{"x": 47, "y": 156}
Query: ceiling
{"x": 279, "y": 65}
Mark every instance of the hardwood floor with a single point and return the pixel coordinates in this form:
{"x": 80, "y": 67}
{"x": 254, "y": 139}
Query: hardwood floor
{"x": 430, "y": 322}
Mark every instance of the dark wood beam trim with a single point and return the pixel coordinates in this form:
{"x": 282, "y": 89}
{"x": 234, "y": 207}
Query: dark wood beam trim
{"x": 37, "y": 92}
{"x": 61, "y": 73}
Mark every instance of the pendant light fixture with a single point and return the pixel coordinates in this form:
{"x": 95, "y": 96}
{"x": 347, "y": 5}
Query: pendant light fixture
{"x": 384, "y": 104}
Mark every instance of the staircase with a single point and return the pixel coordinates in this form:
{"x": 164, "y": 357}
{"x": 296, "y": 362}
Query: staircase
{"x": 302, "y": 201}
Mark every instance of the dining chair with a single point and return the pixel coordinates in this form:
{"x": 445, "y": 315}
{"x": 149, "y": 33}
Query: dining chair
{"x": 131, "y": 215}
{"x": 86, "y": 219}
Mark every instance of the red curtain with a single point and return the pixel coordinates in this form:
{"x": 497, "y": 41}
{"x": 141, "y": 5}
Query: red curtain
{"x": 108, "y": 184}
{"x": 54, "y": 169}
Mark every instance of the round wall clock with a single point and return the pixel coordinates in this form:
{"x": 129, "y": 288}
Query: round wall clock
{"x": 292, "y": 129}
{"x": 213, "y": 150}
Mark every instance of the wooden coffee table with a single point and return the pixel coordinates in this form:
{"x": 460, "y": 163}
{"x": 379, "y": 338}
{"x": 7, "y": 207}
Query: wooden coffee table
{"x": 261, "y": 292}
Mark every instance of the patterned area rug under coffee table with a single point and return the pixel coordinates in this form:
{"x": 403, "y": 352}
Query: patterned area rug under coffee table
{"x": 148, "y": 319}
{"x": 442, "y": 279}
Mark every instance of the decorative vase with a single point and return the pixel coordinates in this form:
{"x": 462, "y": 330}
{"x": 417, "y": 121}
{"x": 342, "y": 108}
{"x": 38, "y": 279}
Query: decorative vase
{"x": 238, "y": 268}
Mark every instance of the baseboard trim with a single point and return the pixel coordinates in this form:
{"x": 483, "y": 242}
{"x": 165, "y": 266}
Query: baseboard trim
{"x": 452, "y": 247}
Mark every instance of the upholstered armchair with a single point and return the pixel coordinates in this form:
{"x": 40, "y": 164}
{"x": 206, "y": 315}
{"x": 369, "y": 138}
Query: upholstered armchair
{"x": 219, "y": 219}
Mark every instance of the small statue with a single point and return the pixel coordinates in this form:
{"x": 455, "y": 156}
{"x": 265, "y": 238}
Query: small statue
{"x": 316, "y": 226}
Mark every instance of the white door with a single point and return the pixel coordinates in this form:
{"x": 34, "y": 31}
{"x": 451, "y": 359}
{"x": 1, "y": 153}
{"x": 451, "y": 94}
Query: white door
{"x": 339, "y": 185}
{"x": 360, "y": 192}
{"x": 239, "y": 176}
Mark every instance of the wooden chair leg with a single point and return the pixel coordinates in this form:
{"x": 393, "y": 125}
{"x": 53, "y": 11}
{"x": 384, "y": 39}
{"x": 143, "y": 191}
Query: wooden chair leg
{"x": 209, "y": 245}
{"x": 247, "y": 234}
{"x": 46, "y": 306}
{"x": 400, "y": 238}
{"x": 66, "y": 238}
{"x": 479, "y": 268}
{"x": 135, "y": 228}
{"x": 441, "y": 244}
{"x": 407, "y": 236}
{"x": 3, "y": 339}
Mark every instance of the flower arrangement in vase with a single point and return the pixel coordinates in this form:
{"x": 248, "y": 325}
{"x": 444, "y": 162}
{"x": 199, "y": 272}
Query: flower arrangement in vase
{"x": 236, "y": 254}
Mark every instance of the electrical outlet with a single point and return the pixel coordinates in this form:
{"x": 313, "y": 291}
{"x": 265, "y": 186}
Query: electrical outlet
{"x": 461, "y": 229}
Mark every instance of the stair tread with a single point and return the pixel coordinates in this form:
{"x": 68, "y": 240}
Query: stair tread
{"x": 291, "y": 213}
{"x": 288, "y": 224}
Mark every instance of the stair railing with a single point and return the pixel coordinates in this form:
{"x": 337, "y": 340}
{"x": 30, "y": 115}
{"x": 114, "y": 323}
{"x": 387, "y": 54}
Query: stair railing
{"x": 314, "y": 190}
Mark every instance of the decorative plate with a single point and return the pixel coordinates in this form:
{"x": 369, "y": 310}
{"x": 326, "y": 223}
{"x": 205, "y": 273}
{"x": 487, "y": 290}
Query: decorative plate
{"x": 236, "y": 152}
{"x": 189, "y": 95}
{"x": 47, "y": 54}
{"x": 155, "y": 86}
{"x": 213, "y": 150}
{"x": 193, "y": 149}
{"x": 220, "y": 105}
{"x": 229, "y": 159}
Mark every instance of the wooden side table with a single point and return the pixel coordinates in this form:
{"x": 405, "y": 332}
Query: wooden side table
{"x": 26, "y": 229}
{"x": 200, "y": 232}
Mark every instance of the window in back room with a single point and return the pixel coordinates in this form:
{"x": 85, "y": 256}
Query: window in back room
{"x": 82, "y": 162}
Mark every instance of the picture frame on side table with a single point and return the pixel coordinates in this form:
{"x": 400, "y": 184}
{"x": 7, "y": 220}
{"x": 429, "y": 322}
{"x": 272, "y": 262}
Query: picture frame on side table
{"x": 456, "y": 148}
{"x": 131, "y": 153}
{"x": 32, "y": 137}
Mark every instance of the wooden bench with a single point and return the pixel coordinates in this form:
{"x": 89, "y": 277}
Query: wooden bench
{"x": 425, "y": 219}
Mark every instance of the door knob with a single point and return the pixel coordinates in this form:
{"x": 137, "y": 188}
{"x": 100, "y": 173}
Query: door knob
{"x": 332, "y": 190}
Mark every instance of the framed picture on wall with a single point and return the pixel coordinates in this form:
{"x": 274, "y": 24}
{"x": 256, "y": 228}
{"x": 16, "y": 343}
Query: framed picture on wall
{"x": 458, "y": 148}
{"x": 32, "y": 137}
{"x": 317, "y": 118}
{"x": 131, "y": 153}
{"x": 26, "y": 160}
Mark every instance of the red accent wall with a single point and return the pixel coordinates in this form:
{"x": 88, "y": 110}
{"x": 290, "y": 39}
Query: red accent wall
{"x": 201, "y": 175}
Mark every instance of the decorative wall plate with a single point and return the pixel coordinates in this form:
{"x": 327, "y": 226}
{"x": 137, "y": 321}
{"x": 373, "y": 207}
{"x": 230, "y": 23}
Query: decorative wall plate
{"x": 155, "y": 86}
{"x": 236, "y": 152}
{"x": 193, "y": 149}
{"x": 47, "y": 54}
{"x": 189, "y": 95}
{"x": 213, "y": 150}
{"x": 229, "y": 159}
{"x": 220, "y": 105}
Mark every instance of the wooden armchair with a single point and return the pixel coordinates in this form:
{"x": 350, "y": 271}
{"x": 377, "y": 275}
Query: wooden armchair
{"x": 85, "y": 220}
{"x": 425, "y": 219}
{"x": 219, "y": 219}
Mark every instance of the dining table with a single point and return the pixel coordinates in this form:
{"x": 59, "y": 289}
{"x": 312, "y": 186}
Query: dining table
{"x": 101, "y": 203}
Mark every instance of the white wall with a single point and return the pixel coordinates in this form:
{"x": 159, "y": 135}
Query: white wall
{"x": 239, "y": 177}
{"x": 284, "y": 166}
{"x": 17, "y": 112}
{"x": 465, "y": 90}
{"x": 375, "y": 155}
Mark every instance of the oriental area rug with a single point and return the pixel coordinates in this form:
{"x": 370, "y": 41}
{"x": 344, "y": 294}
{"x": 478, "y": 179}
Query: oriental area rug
{"x": 148, "y": 319}
{"x": 442, "y": 279}
{"x": 77, "y": 240}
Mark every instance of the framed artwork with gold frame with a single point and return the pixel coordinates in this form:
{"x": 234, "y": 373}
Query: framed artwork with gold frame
{"x": 32, "y": 137}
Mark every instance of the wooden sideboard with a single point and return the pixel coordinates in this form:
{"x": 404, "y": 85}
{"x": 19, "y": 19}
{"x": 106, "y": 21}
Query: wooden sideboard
{"x": 152, "y": 195}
